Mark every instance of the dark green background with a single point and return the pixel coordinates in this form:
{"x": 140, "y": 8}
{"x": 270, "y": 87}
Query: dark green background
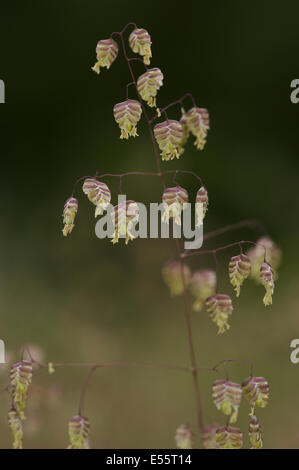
{"x": 81, "y": 299}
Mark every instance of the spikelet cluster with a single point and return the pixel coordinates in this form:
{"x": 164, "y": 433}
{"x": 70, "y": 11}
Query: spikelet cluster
{"x": 124, "y": 216}
{"x": 183, "y": 437}
{"x": 267, "y": 279}
{"x": 140, "y": 43}
{"x": 202, "y": 286}
{"x": 229, "y": 437}
{"x": 169, "y": 135}
{"x": 265, "y": 249}
{"x": 98, "y": 193}
{"x": 255, "y": 433}
{"x": 198, "y": 123}
{"x": 106, "y": 51}
{"x": 78, "y": 429}
{"x": 227, "y": 398}
{"x": 173, "y": 203}
{"x": 172, "y": 276}
{"x": 20, "y": 379}
{"x": 202, "y": 201}
{"x": 239, "y": 270}
{"x": 219, "y": 306}
{"x": 256, "y": 391}
{"x": 148, "y": 85}
{"x": 16, "y": 428}
{"x": 127, "y": 115}
{"x": 69, "y": 213}
{"x": 208, "y": 436}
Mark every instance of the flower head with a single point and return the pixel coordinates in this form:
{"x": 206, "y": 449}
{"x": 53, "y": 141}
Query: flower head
{"x": 16, "y": 427}
{"x": 127, "y": 114}
{"x": 219, "y": 306}
{"x": 69, "y": 213}
{"x": 106, "y": 50}
{"x": 227, "y": 398}
{"x": 267, "y": 279}
{"x": 173, "y": 202}
{"x": 172, "y": 276}
{"x": 199, "y": 123}
{"x": 124, "y": 216}
{"x": 255, "y": 433}
{"x": 256, "y": 391}
{"x": 228, "y": 437}
{"x": 98, "y": 193}
{"x": 20, "y": 379}
{"x": 183, "y": 437}
{"x": 148, "y": 85}
{"x": 169, "y": 135}
{"x": 208, "y": 436}
{"x": 202, "y": 285}
{"x": 202, "y": 201}
{"x": 265, "y": 249}
{"x": 140, "y": 43}
{"x": 239, "y": 270}
{"x": 78, "y": 432}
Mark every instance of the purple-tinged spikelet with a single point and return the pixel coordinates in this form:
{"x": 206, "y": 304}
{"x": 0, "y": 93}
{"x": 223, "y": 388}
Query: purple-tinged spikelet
{"x": 219, "y": 306}
{"x": 173, "y": 202}
{"x": 16, "y": 427}
{"x": 265, "y": 248}
{"x": 106, "y": 50}
{"x": 169, "y": 135}
{"x": 202, "y": 201}
{"x": 20, "y": 379}
{"x": 148, "y": 85}
{"x": 255, "y": 433}
{"x": 239, "y": 270}
{"x": 124, "y": 216}
{"x": 267, "y": 279}
{"x": 183, "y": 437}
{"x": 98, "y": 193}
{"x": 172, "y": 276}
{"x": 140, "y": 43}
{"x": 78, "y": 432}
{"x": 256, "y": 391}
{"x": 202, "y": 286}
{"x": 229, "y": 437}
{"x": 199, "y": 124}
{"x": 69, "y": 213}
{"x": 127, "y": 115}
{"x": 208, "y": 436}
{"x": 227, "y": 398}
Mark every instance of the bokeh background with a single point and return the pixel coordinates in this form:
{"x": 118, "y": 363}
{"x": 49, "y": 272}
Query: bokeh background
{"x": 82, "y": 299}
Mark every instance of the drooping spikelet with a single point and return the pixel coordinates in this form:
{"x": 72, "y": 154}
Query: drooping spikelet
{"x": 20, "y": 379}
{"x": 78, "y": 432}
{"x": 69, "y": 213}
{"x": 127, "y": 114}
{"x": 267, "y": 279}
{"x": 219, "y": 306}
{"x": 208, "y": 436}
{"x": 202, "y": 286}
{"x": 173, "y": 203}
{"x": 255, "y": 433}
{"x": 183, "y": 437}
{"x": 199, "y": 124}
{"x": 106, "y": 50}
{"x": 172, "y": 276}
{"x": 16, "y": 427}
{"x": 229, "y": 437}
{"x": 202, "y": 201}
{"x": 265, "y": 249}
{"x": 227, "y": 398}
{"x": 239, "y": 270}
{"x": 256, "y": 391}
{"x": 169, "y": 135}
{"x": 148, "y": 85}
{"x": 98, "y": 193}
{"x": 124, "y": 216}
{"x": 140, "y": 43}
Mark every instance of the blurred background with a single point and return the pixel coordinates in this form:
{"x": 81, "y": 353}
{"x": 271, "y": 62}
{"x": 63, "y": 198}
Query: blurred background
{"x": 81, "y": 299}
